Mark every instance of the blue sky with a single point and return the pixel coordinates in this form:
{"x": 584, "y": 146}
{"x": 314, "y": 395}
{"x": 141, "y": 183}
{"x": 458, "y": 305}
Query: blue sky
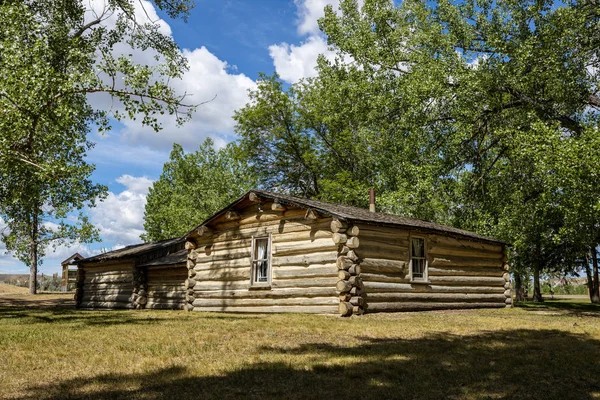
{"x": 227, "y": 42}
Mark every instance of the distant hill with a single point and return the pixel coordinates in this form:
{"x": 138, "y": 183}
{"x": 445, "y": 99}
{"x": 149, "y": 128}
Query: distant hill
{"x": 12, "y": 289}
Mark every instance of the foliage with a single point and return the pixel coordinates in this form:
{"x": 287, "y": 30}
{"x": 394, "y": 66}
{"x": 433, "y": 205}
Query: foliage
{"x": 191, "y": 188}
{"x": 52, "y": 56}
{"x": 482, "y": 114}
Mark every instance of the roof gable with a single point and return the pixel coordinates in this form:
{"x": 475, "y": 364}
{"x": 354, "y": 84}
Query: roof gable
{"x": 347, "y": 213}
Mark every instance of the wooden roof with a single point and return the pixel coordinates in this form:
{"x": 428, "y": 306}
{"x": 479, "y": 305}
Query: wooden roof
{"x": 178, "y": 257}
{"x": 136, "y": 251}
{"x": 350, "y": 214}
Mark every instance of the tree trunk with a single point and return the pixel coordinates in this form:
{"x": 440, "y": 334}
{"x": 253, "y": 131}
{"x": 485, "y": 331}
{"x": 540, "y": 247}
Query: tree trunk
{"x": 519, "y": 288}
{"x": 595, "y": 287}
{"x": 33, "y": 255}
{"x": 537, "y": 292}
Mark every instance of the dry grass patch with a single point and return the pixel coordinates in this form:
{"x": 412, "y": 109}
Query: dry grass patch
{"x": 52, "y": 352}
{"x": 12, "y": 289}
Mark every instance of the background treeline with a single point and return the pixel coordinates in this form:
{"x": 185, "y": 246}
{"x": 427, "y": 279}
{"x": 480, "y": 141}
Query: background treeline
{"x": 483, "y": 115}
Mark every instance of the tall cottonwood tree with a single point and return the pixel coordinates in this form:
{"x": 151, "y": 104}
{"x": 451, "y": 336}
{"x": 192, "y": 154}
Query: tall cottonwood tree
{"x": 192, "y": 187}
{"x": 53, "y": 56}
{"x": 450, "y": 109}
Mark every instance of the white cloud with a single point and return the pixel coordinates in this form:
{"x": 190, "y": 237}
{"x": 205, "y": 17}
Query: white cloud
{"x": 294, "y": 62}
{"x": 208, "y": 79}
{"x": 120, "y": 217}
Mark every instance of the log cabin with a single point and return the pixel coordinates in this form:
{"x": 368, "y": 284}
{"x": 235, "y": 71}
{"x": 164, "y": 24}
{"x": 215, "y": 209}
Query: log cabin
{"x": 268, "y": 252}
{"x": 148, "y": 275}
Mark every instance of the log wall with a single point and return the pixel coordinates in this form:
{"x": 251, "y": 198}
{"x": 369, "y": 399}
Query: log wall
{"x": 303, "y": 263}
{"x": 461, "y": 273}
{"x": 165, "y": 288}
{"x": 109, "y": 286}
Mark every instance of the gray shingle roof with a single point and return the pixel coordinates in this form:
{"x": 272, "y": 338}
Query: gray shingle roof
{"x": 179, "y": 257}
{"x": 136, "y": 250}
{"x": 356, "y": 214}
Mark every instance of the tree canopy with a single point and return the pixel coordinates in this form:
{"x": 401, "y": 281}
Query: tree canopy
{"x": 480, "y": 114}
{"x": 53, "y": 56}
{"x": 191, "y": 188}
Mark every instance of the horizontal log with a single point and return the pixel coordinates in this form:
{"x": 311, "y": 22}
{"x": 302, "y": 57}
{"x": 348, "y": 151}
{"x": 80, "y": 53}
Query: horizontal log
{"x": 353, "y": 242}
{"x": 343, "y": 275}
{"x": 464, "y": 271}
{"x": 224, "y": 274}
{"x": 305, "y": 246}
{"x": 338, "y": 226}
{"x": 467, "y": 281}
{"x": 102, "y": 286}
{"x": 300, "y": 236}
{"x": 108, "y": 267}
{"x": 275, "y": 293}
{"x": 109, "y": 273}
{"x": 240, "y": 262}
{"x": 385, "y": 242}
{"x": 203, "y": 231}
{"x": 343, "y": 263}
{"x": 264, "y": 228}
{"x": 382, "y": 277}
{"x": 353, "y": 231}
{"x": 435, "y": 297}
{"x": 317, "y": 271}
{"x": 357, "y": 301}
{"x": 331, "y": 309}
{"x": 373, "y": 265}
{"x": 343, "y": 286}
{"x": 339, "y": 238}
{"x": 358, "y": 310}
{"x": 123, "y": 298}
{"x": 345, "y": 309}
{"x": 167, "y": 273}
{"x": 105, "y": 305}
{"x": 223, "y": 247}
{"x": 447, "y": 241}
{"x": 304, "y": 282}
{"x": 355, "y": 269}
{"x": 127, "y": 291}
{"x": 190, "y": 282}
{"x": 220, "y": 285}
{"x": 456, "y": 261}
{"x": 382, "y": 287}
{"x": 388, "y": 307}
{"x": 264, "y": 302}
{"x": 456, "y": 251}
{"x": 109, "y": 279}
{"x": 167, "y": 295}
{"x": 165, "y": 306}
{"x": 306, "y": 259}
{"x": 231, "y": 255}
{"x": 381, "y": 231}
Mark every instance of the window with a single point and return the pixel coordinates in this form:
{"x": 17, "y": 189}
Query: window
{"x": 418, "y": 261}
{"x": 261, "y": 260}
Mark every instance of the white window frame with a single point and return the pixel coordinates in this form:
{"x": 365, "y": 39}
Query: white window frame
{"x": 425, "y": 277}
{"x": 254, "y": 283}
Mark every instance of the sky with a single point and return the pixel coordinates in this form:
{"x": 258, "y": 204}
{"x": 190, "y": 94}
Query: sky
{"x": 227, "y": 43}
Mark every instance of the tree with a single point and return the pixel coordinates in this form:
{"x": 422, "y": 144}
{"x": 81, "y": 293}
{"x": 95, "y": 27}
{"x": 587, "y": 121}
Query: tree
{"x": 52, "y": 56}
{"x": 460, "y": 112}
{"x": 192, "y": 187}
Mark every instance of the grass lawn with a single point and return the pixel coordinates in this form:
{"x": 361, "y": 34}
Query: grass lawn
{"x": 50, "y": 351}
{"x": 12, "y": 289}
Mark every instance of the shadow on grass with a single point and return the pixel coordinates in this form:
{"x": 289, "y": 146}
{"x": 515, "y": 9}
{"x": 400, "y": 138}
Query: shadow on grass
{"x": 563, "y": 306}
{"x": 530, "y": 364}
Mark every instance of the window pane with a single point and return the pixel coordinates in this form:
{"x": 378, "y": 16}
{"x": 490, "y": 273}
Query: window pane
{"x": 418, "y": 247}
{"x": 418, "y": 268}
{"x": 260, "y": 249}
{"x": 261, "y": 271}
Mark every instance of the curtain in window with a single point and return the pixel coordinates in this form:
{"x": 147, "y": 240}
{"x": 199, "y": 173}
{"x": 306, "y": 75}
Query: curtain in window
{"x": 262, "y": 260}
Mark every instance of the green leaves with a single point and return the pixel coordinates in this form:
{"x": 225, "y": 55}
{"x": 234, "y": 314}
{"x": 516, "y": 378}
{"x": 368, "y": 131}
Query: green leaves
{"x": 192, "y": 187}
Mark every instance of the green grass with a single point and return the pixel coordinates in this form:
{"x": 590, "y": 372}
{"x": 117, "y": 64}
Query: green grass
{"x": 48, "y": 351}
